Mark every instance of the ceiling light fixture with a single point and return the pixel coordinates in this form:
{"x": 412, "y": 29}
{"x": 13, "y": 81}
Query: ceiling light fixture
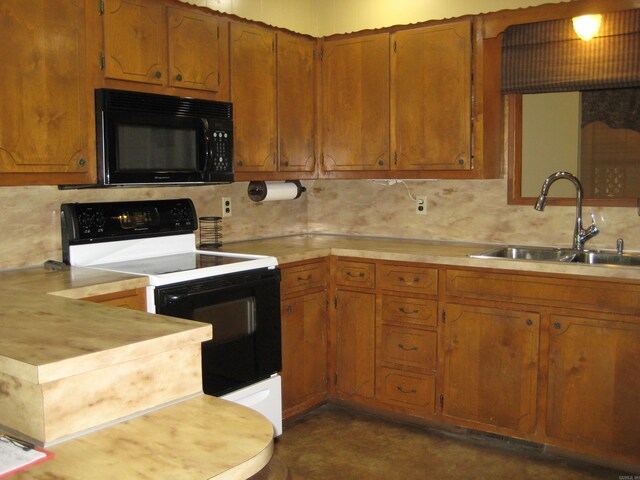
{"x": 586, "y": 26}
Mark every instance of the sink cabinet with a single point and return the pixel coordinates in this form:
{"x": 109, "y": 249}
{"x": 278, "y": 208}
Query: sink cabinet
{"x": 594, "y": 386}
{"x": 490, "y": 366}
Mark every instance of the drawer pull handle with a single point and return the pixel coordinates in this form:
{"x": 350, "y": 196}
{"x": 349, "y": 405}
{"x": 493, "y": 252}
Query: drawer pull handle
{"x": 408, "y": 392}
{"x": 308, "y": 277}
{"x": 402, "y": 309}
{"x": 407, "y": 349}
{"x": 415, "y": 280}
{"x": 356, "y": 275}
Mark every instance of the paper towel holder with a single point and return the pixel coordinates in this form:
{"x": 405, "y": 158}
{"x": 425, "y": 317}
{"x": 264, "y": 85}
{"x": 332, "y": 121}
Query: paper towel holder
{"x": 258, "y": 189}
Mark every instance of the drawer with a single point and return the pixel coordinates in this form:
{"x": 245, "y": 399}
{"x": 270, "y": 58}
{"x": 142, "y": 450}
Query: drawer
{"x": 408, "y": 347}
{"x": 413, "y": 311}
{"x": 407, "y": 389}
{"x": 303, "y": 277}
{"x": 355, "y": 274}
{"x": 409, "y": 279}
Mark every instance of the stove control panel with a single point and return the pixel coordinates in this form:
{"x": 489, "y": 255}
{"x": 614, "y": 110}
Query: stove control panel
{"x": 84, "y": 223}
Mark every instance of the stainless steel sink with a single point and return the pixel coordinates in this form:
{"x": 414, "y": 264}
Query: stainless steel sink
{"x": 565, "y": 255}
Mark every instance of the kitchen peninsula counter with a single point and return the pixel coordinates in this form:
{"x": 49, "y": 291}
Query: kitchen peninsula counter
{"x": 197, "y": 439}
{"x": 296, "y": 248}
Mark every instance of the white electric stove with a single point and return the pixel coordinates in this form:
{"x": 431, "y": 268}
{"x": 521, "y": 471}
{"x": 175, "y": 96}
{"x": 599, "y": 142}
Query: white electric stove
{"x": 237, "y": 293}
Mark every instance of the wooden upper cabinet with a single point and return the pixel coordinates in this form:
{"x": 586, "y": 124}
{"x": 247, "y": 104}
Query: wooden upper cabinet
{"x": 296, "y": 103}
{"x": 145, "y": 41}
{"x": 594, "y": 387}
{"x": 253, "y": 93}
{"x": 135, "y": 41}
{"x": 44, "y": 122}
{"x": 193, "y": 49}
{"x": 491, "y": 366}
{"x": 355, "y": 103}
{"x": 431, "y": 98}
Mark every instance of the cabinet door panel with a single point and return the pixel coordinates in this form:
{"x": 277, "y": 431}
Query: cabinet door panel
{"x": 193, "y": 49}
{"x": 304, "y": 348}
{"x": 491, "y": 366}
{"x": 356, "y": 103}
{"x": 355, "y": 327}
{"x": 407, "y": 389}
{"x": 408, "y": 347}
{"x": 43, "y": 119}
{"x": 594, "y": 386}
{"x": 431, "y": 98}
{"x": 135, "y": 41}
{"x": 253, "y": 93}
{"x": 296, "y": 103}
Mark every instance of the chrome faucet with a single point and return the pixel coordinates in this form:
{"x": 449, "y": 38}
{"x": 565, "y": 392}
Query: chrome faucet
{"x": 580, "y": 235}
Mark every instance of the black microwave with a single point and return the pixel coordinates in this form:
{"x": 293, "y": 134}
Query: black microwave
{"x": 148, "y": 139}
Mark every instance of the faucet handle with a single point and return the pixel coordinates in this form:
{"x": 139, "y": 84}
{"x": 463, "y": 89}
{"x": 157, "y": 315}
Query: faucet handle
{"x": 593, "y": 219}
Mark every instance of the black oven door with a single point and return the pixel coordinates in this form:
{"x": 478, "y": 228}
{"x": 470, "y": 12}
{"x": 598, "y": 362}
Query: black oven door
{"x": 244, "y": 310}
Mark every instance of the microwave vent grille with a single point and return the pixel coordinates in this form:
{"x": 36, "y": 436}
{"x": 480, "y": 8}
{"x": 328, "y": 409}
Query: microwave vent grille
{"x": 153, "y": 103}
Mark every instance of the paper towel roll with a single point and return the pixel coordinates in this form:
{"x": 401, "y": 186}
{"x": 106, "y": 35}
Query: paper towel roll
{"x": 271, "y": 191}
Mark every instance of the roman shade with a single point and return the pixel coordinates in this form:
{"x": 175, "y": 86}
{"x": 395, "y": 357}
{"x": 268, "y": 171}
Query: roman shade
{"x": 549, "y": 56}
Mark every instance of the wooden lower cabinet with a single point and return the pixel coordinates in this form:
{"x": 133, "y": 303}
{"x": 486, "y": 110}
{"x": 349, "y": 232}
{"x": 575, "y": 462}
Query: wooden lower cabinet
{"x": 491, "y": 366}
{"x": 131, "y": 299}
{"x": 304, "y": 336}
{"x": 304, "y": 351}
{"x": 594, "y": 386}
{"x": 355, "y": 343}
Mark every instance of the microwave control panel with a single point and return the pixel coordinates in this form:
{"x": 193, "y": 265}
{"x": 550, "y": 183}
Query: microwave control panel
{"x": 221, "y": 158}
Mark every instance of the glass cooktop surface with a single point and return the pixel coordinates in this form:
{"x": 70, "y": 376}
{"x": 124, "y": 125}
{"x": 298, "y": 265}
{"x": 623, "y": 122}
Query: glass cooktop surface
{"x": 167, "y": 264}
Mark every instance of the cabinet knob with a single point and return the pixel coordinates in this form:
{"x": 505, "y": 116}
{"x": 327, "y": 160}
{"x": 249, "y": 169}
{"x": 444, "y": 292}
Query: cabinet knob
{"x": 461, "y": 161}
{"x": 82, "y": 162}
{"x": 380, "y": 162}
{"x": 557, "y": 325}
{"x": 158, "y": 74}
{"x": 240, "y": 163}
{"x": 529, "y": 322}
{"x": 179, "y": 77}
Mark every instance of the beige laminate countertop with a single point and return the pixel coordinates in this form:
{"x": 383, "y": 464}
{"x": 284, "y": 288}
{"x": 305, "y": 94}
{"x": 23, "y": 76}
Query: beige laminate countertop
{"x": 304, "y": 247}
{"x": 44, "y": 336}
{"x": 200, "y": 438}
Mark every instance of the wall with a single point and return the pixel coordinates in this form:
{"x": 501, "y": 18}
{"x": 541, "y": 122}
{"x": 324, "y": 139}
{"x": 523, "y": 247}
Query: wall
{"x": 31, "y": 216}
{"x": 459, "y": 210}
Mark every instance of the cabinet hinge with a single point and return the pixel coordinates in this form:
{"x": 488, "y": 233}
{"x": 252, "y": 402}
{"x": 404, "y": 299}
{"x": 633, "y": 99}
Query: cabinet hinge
{"x": 335, "y": 378}
{"x": 322, "y": 54}
{"x": 444, "y": 316}
{"x": 441, "y": 401}
{"x": 335, "y": 301}
{"x": 101, "y": 60}
{"x": 219, "y": 78}
{"x": 395, "y": 46}
{"x": 100, "y": 7}
{"x": 395, "y": 157}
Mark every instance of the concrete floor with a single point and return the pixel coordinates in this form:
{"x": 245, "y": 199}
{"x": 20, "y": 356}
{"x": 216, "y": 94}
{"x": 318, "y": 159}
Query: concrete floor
{"x": 332, "y": 442}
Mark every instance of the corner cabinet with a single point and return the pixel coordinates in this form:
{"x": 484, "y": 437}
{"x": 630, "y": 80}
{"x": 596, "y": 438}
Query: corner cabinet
{"x": 45, "y": 125}
{"x": 355, "y": 103}
{"x": 431, "y": 98}
{"x": 146, "y": 41}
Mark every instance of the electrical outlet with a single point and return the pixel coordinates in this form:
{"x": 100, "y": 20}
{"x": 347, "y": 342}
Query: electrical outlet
{"x": 421, "y": 204}
{"x": 226, "y": 206}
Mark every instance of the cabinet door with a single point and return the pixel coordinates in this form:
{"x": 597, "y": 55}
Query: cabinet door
{"x": 355, "y": 343}
{"x": 304, "y": 349}
{"x": 44, "y": 124}
{"x": 253, "y": 93}
{"x": 355, "y": 103}
{"x": 431, "y": 98}
{"x": 491, "y": 366}
{"x": 193, "y": 49}
{"x": 594, "y": 386}
{"x": 296, "y": 103}
{"x": 135, "y": 41}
